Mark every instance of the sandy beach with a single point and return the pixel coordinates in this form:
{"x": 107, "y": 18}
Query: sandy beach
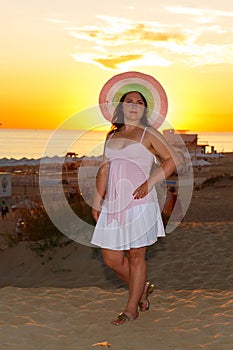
{"x": 65, "y": 298}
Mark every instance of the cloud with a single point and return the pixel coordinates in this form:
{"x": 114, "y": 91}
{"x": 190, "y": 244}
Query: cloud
{"x": 127, "y": 40}
{"x": 211, "y": 55}
{"x": 199, "y": 11}
{"x": 114, "y": 62}
{"x": 200, "y": 15}
{"x": 121, "y": 31}
{"x": 114, "y": 42}
{"x": 121, "y": 61}
{"x": 145, "y": 32}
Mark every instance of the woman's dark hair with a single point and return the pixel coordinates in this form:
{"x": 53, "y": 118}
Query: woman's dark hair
{"x": 118, "y": 116}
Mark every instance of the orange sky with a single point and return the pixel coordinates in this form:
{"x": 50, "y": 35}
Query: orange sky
{"x": 56, "y": 58}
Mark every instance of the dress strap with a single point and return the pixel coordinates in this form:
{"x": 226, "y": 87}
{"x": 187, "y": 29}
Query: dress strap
{"x": 106, "y": 141}
{"x": 144, "y": 131}
{"x": 111, "y": 135}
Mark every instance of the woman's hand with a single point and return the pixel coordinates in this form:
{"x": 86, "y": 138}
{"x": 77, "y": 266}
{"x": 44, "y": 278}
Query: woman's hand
{"x": 95, "y": 213}
{"x": 142, "y": 190}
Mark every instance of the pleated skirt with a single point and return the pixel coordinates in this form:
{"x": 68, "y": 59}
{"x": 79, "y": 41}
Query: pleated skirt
{"x": 143, "y": 225}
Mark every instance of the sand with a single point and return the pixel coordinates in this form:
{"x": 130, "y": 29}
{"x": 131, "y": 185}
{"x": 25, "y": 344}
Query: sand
{"x": 65, "y": 298}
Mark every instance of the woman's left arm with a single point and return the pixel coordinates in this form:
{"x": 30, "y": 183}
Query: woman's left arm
{"x": 160, "y": 147}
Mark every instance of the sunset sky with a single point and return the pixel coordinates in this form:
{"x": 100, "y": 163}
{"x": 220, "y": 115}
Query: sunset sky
{"x": 56, "y": 55}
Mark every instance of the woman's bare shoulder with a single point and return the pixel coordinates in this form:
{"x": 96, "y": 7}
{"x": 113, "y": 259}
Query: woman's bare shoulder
{"x": 153, "y": 133}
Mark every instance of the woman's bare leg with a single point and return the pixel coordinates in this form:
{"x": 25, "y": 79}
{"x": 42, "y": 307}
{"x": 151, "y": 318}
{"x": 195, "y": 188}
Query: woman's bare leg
{"x": 118, "y": 262}
{"x": 132, "y": 270}
{"x": 137, "y": 279}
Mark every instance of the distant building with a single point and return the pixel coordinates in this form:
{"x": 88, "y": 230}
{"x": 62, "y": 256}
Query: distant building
{"x": 179, "y": 137}
{"x": 184, "y": 142}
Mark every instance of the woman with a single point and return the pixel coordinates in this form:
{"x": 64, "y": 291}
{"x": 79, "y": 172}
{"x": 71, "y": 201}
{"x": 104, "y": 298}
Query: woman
{"x": 125, "y": 203}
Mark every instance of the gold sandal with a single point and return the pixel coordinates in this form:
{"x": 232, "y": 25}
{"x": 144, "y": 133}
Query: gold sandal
{"x": 121, "y": 318}
{"x": 149, "y": 289}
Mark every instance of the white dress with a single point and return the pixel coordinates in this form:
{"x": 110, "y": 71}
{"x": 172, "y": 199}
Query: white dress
{"x": 125, "y": 222}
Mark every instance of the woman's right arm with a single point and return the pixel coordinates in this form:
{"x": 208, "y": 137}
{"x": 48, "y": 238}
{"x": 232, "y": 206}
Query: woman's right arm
{"x": 100, "y": 190}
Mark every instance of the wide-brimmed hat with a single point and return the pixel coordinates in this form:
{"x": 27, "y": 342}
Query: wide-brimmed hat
{"x": 147, "y": 85}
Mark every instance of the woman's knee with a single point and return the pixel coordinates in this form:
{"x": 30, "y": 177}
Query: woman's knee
{"x": 136, "y": 256}
{"x": 112, "y": 259}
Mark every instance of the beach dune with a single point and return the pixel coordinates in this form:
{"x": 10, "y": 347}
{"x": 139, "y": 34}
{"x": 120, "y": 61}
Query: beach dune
{"x": 67, "y": 297}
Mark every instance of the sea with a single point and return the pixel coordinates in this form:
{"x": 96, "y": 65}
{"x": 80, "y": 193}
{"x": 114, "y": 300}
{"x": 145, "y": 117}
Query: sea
{"x": 33, "y": 143}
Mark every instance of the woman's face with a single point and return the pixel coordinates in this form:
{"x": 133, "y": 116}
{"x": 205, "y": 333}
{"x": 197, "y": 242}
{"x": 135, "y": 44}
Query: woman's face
{"x": 133, "y": 107}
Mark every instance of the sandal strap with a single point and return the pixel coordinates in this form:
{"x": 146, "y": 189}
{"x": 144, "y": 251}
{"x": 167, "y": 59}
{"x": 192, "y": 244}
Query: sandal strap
{"x": 122, "y": 317}
{"x": 150, "y": 288}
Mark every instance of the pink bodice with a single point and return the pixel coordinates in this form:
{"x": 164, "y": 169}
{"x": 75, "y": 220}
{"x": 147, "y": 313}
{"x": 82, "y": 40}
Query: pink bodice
{"x": 129, "y": 168}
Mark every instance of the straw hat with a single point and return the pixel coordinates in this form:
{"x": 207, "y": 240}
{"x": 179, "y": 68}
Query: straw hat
{"x": 147, "y": 85}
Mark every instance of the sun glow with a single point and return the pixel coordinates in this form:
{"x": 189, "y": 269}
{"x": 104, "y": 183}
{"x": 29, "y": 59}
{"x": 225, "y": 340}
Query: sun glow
{"x": 53, "y": 66}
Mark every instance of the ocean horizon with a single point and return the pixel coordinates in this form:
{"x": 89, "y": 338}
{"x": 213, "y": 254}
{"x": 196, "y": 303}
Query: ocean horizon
{"x": 33, "y": 143}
